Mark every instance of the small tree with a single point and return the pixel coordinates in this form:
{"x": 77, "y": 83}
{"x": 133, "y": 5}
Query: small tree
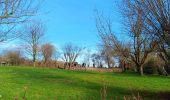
{"x": 70, "y": 53}
{"x": 87, "y": 57}
{"x": 97, "y": 59}
{"x": 108, "y": 56}
{"x": 48, "y": 51}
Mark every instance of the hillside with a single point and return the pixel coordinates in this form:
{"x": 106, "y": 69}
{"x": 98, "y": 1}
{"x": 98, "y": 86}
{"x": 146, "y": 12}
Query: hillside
{"x": 52, "y": 84}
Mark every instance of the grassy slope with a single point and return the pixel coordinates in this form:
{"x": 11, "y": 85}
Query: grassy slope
{"x": 59, "y": 84}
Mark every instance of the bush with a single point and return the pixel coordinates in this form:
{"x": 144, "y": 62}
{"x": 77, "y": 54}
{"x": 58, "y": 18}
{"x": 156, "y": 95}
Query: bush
{"x": 13, "y": 57}
{"x": 167, "y": 68}
{"x": 150, "y": 67}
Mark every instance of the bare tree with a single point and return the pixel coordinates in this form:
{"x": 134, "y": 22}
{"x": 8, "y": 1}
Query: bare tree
{"x": 113, "y": 48}
{"x": 48, "y": 51}
{"x": 157, "y": 14}
{"x": 144, "y": 17}
{"x": 108, "y": 55}
{"x": 70, "y": 53}
{"x": 141, "y": 43}
{"x": 87, "y": 57}
{"x": 12, "y": 13}
{"x": 31, "y": 37}
{"x": 97, "y": 59}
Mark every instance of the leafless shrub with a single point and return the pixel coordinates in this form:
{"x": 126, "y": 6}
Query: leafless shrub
{"x": 48, "y": 50}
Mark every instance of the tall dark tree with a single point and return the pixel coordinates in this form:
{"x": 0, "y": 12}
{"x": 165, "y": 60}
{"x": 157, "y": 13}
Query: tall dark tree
{"x": 141, "y": 44}
{"x": 152, "y": 21}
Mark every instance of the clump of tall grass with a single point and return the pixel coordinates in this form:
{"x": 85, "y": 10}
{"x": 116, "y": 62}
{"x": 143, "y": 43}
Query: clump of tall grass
{"x": 133, "y": 97}
{"x": 24, "y": 95}
{"x": 103, "y": 93}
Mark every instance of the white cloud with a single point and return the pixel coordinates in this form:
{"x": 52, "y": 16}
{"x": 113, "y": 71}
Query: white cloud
{"x": 8, "y": 46}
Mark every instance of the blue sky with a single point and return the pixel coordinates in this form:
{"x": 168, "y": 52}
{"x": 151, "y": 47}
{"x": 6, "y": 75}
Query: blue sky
{"x": 74, "y": 21}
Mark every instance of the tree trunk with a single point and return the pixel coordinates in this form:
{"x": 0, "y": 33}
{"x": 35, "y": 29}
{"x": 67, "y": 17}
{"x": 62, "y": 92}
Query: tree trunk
{"x": 65, "y": 65}
{"x": 167, "y": 68}
{"x": 108, "y": 64}
{"x": 69, "y": 65}
{"x": 34, "y": 59}
{"x": 164, "y": 72}
{"x": 141, "y": 70}
{"x": 34, "y": 63}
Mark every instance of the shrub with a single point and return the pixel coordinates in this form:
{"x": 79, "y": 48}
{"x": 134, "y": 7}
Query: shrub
{"x": 167, "y": 65}
{"x": 13, "y": 57}
{"x": 150, "y": 67}
{"x": 167, "y": 68}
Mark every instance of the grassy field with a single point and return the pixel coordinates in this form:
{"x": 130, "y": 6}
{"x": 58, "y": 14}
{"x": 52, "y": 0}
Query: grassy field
{"x": 57, "y": 84}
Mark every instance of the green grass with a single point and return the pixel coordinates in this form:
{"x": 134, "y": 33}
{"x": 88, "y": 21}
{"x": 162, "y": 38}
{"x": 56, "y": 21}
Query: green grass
{"x": 57, "y": 84}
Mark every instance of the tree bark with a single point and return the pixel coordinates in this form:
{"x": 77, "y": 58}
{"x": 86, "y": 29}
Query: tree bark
{"x": 123, "y": 66}
{"x": 141, "y": 70}
{"x": 69, "y": 65}
{"x": 34, "y": 64}
{"x": 164, "y": 72}
{"x": 108, "y": 63}
{"x": 34, "y": 59}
